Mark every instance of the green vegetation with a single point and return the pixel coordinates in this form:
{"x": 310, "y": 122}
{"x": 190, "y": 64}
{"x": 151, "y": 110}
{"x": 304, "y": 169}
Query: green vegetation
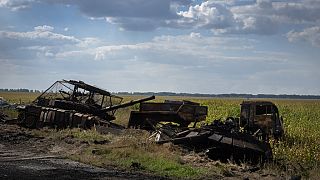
{"x": 301, "y": 145}
{"x": 128, "y": 150}
{"x": 297, "y": 152}
{"x": 17, "y": 97}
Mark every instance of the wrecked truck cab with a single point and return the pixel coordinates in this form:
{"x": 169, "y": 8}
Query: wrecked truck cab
{"x": 261, "y": 117}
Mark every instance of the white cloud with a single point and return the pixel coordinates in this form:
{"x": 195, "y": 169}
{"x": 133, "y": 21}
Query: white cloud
{"x": 16, "y": 4}
{"x": 287, "y": 12}
{"x": 311, "y": 35}
{"x": 40, "y": 32}
{"x": 180, "y": 50}
{"x": 254, "y": 17}
{"x": 188, "y": 61}
{"x": 41, "y": 42}
{"x": 208, "y": 15}
{"x": 44, "y": 28}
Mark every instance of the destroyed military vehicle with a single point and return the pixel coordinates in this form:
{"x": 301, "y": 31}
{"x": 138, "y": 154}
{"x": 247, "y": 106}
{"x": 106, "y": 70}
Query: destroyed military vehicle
{"x": 72, "y": 104}
{"x": 180, "y": 112}
{"x": 261, "y": 117}
{"x": 244, "y": 138}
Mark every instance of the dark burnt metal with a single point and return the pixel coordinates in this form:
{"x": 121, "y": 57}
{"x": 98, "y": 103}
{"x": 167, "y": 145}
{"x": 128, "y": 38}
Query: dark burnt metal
{"x": 241, "y": 139}
{"x": 261, "y": 117}
{"x": 73, "y": 104}
{"x": 180, "y": 112}
{"x": 221, "y": 141}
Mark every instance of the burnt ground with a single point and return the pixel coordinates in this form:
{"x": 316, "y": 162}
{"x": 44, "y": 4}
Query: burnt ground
{"x": 23, "y": 156}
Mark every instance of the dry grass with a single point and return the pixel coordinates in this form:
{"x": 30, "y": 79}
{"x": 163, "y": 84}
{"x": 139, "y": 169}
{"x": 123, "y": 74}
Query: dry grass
{"x": 19, "y": 97}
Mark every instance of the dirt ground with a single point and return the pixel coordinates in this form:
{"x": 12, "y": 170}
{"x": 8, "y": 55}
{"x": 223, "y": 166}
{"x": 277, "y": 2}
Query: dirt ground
{"x": 24, "y": 156}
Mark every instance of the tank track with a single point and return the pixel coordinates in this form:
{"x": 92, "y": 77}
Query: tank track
{"x": 38, "y": 117}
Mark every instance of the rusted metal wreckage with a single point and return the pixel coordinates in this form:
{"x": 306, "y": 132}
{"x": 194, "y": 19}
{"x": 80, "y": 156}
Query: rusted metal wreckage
{"x": 244, "y": 138}
{"x": 77, "y": 104}
{"x": 73, "y": 104}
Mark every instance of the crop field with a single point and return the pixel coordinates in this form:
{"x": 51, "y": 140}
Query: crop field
{"x": 298, "y": 151}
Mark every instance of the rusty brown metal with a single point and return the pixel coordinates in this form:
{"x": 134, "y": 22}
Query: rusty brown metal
{"x": 180, "y": 112}
{"x": 235, "y": 138}
{"x": 261, "y": 116}
{"x": 72, "y": 104}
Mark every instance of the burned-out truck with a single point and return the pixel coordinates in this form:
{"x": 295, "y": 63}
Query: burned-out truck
{"x": 180, "y": 112}
{"x": 70, "y": 103}
{"x": 244, "y": 137}
{"x": 261, "y": 117}
{"x": 258, "y": 118}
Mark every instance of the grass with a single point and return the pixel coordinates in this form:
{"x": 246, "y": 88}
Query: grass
{"x": 297, "y": 152}
{"x": 19, "y": 97}
{"x": 128, "y": 150}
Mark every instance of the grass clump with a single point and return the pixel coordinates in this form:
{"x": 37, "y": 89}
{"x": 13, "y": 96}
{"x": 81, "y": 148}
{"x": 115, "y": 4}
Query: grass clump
{"x": 131, "y": 151}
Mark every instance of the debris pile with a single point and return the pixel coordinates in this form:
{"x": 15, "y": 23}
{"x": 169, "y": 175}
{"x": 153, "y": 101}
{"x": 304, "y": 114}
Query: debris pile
{"x": 218, "y": 140}
{"x": 241, "y": 139}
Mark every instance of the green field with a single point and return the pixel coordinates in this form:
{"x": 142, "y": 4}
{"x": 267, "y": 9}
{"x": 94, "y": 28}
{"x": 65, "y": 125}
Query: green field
{"x": 297, "y": 152}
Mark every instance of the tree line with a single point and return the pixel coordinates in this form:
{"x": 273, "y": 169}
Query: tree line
{"x": 231, "y": 95}
{"x": 20, "y": 90}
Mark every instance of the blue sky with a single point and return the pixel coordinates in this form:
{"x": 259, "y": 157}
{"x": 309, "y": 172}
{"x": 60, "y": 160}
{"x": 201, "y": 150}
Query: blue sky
{"x": 193, "y": 46}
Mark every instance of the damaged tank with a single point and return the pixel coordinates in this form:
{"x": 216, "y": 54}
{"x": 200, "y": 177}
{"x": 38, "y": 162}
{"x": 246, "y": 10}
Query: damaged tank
{"x": 70, "y": 103}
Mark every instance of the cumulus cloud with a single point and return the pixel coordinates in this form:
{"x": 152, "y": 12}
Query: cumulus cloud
{"x": 206, "y": 15}
{"x": 311, "y": 35}
{"x": 229, "y": 17}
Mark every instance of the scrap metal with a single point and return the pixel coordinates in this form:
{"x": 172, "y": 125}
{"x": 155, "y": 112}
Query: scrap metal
{"x": 73, "y": 104}
{"x": 243, "y": 138}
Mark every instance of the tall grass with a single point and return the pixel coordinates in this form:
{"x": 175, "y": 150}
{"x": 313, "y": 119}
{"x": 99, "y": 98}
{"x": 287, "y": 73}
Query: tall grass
{"x": 301, "y": 144}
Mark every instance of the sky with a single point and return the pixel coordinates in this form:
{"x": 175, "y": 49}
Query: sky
{"x": 191, "y": 46}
